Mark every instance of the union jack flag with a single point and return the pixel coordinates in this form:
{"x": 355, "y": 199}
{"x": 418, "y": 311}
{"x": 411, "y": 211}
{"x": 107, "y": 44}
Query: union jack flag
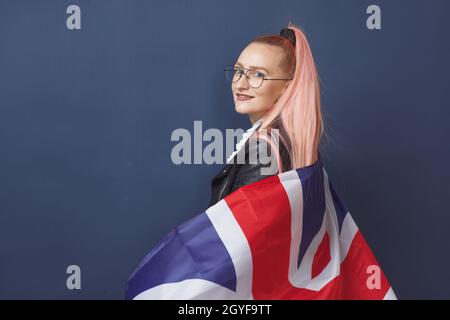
{"x": 288, "y": 236}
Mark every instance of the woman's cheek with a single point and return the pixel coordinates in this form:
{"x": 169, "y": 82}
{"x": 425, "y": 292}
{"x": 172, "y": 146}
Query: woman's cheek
{"x": 263, "y": 103}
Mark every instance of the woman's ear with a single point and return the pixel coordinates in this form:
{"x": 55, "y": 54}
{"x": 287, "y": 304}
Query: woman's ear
{"x": 286, "y": 85}
{"x": 283, "y": 90}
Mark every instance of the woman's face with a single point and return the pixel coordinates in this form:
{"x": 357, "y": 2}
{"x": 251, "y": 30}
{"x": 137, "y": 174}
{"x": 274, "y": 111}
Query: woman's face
{"x": 267, "y": 60}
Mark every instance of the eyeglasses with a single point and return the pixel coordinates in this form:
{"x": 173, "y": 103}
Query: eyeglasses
{"x": 254, "y": 78}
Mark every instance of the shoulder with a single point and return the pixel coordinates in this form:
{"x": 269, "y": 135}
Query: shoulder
{"x": 258, "y": 159}
{"x": 269, "y": 148}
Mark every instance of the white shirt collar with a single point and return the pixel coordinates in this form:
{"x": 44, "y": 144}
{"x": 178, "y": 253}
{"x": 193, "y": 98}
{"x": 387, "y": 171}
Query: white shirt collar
{"x": 244, "y": 139}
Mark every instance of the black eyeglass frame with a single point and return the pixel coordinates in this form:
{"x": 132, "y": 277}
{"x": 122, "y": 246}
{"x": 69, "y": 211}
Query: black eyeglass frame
{"x": 233, "y": 68}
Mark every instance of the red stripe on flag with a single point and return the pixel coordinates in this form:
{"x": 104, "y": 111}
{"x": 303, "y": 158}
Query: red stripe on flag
{"x": 322, "y": 256}
{"x": 357, "y": 272}
{"x": 262, "y": 210}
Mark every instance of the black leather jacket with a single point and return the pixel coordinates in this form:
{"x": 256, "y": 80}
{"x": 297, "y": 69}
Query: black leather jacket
{"x": 234, "y": 176}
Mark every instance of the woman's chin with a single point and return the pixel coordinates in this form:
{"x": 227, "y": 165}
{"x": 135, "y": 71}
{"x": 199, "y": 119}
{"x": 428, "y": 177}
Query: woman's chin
{"x": 242, "y": 109}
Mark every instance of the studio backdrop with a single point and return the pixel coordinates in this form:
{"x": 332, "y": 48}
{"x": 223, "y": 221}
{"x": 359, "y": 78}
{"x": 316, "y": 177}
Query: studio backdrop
{"x": 91, "y": 93}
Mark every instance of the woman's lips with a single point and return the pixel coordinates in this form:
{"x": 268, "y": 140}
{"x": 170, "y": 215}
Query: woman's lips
{"x": 243, "y": 97}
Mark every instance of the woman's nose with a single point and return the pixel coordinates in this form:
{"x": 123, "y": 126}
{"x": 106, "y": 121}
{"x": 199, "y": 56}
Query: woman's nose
{"x": 242, "y": 83}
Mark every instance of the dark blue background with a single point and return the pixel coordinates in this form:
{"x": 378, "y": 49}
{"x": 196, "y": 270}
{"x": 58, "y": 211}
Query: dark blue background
{"x": 86, "y": 116}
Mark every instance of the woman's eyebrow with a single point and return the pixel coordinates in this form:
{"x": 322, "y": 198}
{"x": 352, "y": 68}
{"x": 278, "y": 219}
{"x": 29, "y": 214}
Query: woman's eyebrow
{"x": 251, "y": 67}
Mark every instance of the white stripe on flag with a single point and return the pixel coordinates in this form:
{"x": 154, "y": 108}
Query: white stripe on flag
{"x": 300, "y": 277}
{"x": 237, "y": 246}
{"x": 390, "y": 295}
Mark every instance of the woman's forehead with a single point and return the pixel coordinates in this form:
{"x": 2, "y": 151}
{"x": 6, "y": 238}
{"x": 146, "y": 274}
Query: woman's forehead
{"x": 260, "y": 55}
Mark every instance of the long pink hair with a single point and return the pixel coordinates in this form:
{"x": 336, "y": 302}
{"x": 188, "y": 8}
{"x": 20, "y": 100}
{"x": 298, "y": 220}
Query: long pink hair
{"x": 297, "y": 113}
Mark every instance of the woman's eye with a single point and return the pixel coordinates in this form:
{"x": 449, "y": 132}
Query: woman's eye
{"x": 258, "y": 74}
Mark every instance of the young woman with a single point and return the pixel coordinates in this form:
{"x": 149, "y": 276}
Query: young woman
{"x": 274, "y": 81}
{"x": 297, "y": 242}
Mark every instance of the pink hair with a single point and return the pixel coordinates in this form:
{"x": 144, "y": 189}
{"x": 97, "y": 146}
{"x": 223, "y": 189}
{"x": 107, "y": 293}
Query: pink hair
{"x": 298, "y": 111}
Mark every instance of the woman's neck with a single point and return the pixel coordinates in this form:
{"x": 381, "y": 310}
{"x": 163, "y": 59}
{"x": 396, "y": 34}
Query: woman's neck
{"x": 254, "y": 120}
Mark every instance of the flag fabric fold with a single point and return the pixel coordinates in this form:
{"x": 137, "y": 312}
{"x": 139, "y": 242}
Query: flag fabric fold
{"x": 288, "y": 236}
